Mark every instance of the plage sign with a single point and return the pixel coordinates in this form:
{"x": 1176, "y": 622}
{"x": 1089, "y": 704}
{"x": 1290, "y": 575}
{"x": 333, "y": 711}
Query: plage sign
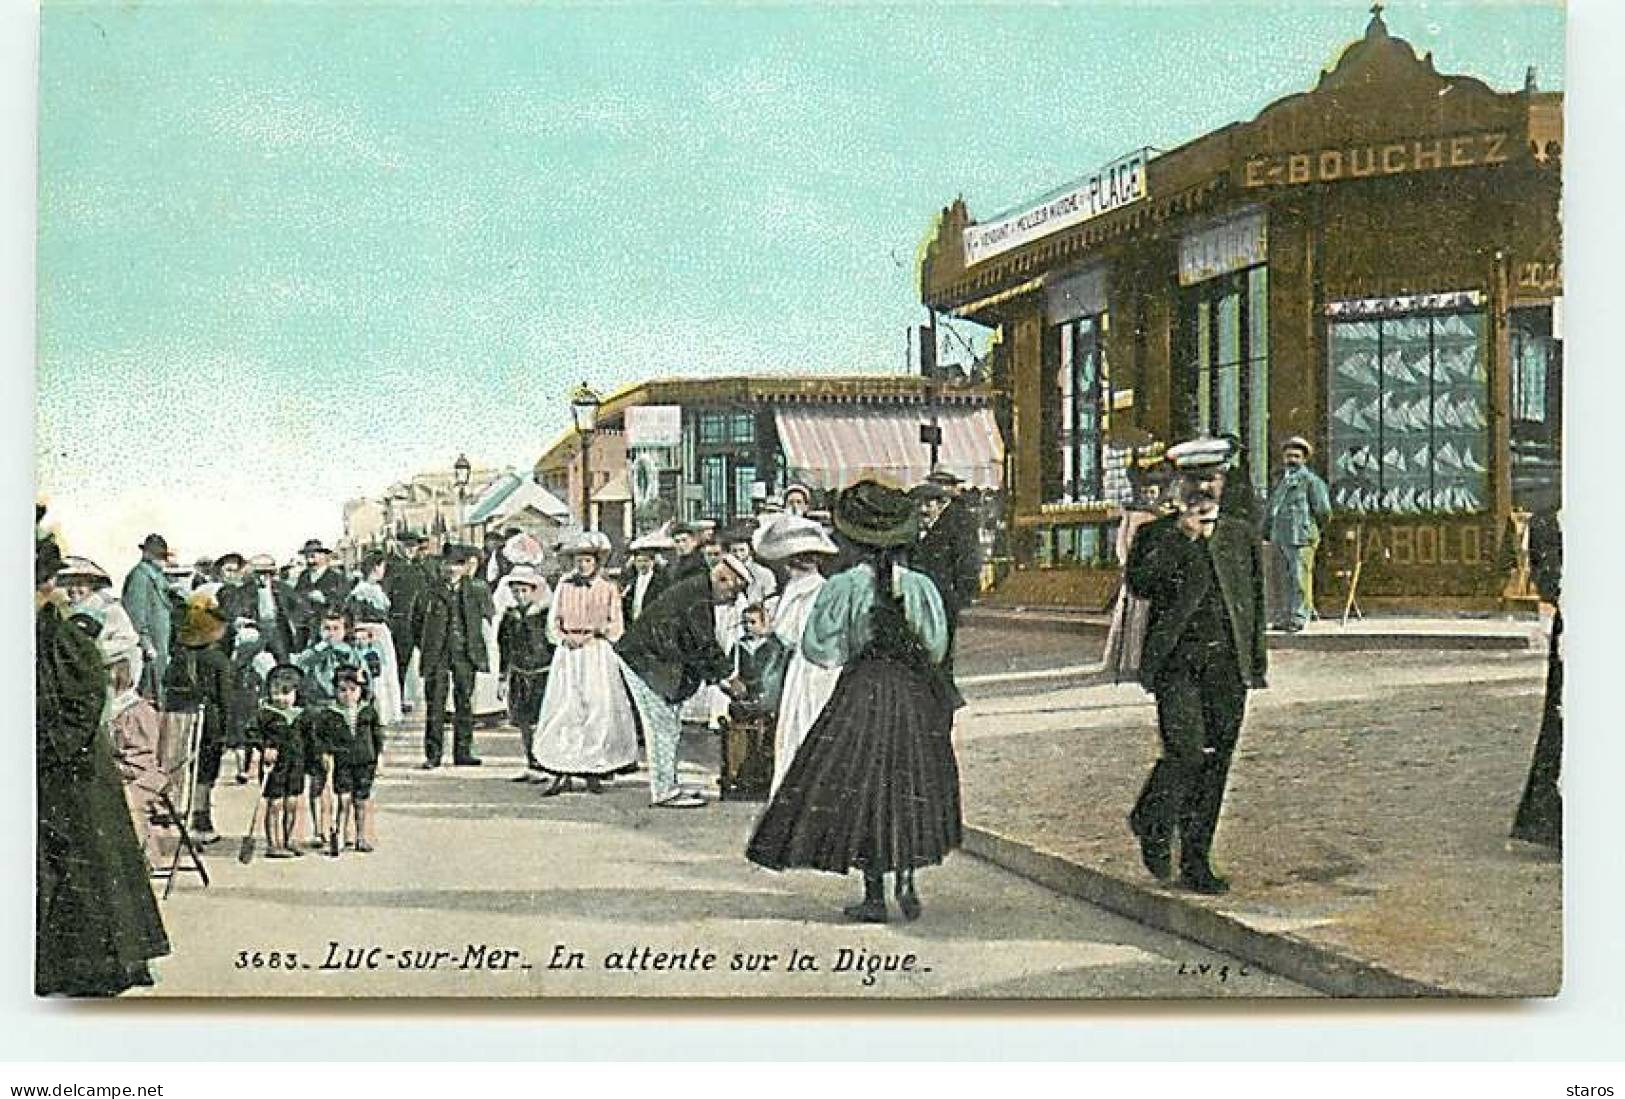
{"x": 1118, "y": 184}
{"x": 654, "y": 425}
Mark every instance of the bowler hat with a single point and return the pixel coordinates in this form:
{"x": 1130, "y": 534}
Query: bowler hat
{"x": 155, "y": 543}
{"x": 314, "y": 545}
{"x": 944, "y": 478}
{"x": 874, "y": 514}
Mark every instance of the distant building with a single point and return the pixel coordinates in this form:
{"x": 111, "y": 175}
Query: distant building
{"x": 715, "y": 448}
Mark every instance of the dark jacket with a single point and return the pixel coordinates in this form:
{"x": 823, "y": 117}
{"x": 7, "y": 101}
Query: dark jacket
{"x": 203, "y": 676}
{"x": 405, "y": 582}
{"x": 1170, "y": 571}
{"x": 431, "y": 623}
{"x": 522, "y": 641}
{"x": 332, "y": 735}
{"x": 761, "y": 668}
{"x": 950, "y": 553}
{"x": 324, "y": 592}
{"x": 271, "y": 728}
{"x": 657, "y": 581}
{"x": 673, "y": 646}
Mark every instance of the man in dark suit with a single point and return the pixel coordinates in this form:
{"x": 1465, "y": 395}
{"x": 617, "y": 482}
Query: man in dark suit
{"x": 406, "y": 578}
{"x": 640, "y": 582}
{"x": 1202, "y": 573}
{"x": 448, "y": 623}
{"x": 320, "y": 588}
{"x": 949, "y": 550}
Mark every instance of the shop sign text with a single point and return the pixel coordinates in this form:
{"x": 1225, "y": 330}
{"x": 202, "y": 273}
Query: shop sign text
{"x": 1424, "y": 545}
{"x": 1394, "y": 158}
{"x": 1118, "y": 184}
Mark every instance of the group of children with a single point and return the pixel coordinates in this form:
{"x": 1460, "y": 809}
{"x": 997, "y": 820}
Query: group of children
{"x": 332, "y": 747}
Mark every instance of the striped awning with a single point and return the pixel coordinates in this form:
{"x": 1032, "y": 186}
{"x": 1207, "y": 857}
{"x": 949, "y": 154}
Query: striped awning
{"x": 834, "y": 446}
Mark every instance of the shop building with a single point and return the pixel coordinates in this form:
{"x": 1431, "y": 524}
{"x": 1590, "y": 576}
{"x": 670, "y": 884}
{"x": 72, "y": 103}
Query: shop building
{"x": 1373, "y": 264}
{"x": 716, "y": 448}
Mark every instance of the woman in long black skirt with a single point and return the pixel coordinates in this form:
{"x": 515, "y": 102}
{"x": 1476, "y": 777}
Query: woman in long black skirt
{"x": 875, "y": 785}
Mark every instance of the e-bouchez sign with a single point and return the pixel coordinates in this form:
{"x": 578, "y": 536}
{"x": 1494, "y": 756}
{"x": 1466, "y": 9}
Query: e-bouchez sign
{"x": 1386, "y": 159}
{"x": 1118, "y": 184}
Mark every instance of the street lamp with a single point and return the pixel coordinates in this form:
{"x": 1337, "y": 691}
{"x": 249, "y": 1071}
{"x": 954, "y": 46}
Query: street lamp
{"x": 461, "y": 471}
{"x": 584, "y": 407}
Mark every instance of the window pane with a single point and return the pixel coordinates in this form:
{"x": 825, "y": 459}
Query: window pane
{"x": 1204, "y": 365}
{"x": 744, "y": 477}
{"x": 744, "y": 427}
{"x": 713, "y": 426}
{"x": 1258, "y": 377}
{"x": 1460, "y": 414}
{"x": 1353, "y": 391}
{"x": 714, "y": 477}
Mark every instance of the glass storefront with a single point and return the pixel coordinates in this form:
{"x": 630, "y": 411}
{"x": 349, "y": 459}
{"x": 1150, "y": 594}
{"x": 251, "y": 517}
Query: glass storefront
{"x": 1537, "y": 409}
{"x": 1408, "y": 407}
{"x": 1085, "y": 397}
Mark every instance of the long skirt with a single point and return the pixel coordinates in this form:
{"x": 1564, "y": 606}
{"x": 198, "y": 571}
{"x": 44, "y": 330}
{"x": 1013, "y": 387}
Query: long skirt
{"x": 875, "y": 785}
{"x": 807, "y": 688}
{"x": 97, "y": 923}
{"x": 586, "y": 726}
{"x": 386, "y": 692}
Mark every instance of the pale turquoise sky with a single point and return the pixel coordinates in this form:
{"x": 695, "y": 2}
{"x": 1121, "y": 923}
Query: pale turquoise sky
{"x": 291, "y": 252}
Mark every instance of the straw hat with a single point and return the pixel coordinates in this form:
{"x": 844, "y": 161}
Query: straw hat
{"x": 790, "y": 535}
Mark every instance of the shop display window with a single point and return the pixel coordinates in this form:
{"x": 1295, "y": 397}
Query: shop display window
{"x": 1537, "y": 404}
{"x": 1409, "y": 414}
{"x": 1079, "y": 544}
{"x": 1085, "y": 400}
{"x": 1226, "y": 382}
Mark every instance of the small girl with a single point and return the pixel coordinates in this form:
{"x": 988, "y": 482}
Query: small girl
{"x": 278, "y": 733}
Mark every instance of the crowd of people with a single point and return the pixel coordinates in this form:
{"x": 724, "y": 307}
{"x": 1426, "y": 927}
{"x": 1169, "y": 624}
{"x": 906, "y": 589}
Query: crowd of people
{"x": 293, "y": 676}
{"x": 829, "y": 633}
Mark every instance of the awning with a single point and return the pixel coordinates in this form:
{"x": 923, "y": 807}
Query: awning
{"x": 615, "y": 490}
{"x": 835, "y": 446}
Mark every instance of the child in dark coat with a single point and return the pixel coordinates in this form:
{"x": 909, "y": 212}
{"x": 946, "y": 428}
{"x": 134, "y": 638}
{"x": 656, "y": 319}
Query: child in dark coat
{"x": 349, "y": 741}
{"x": 527, "y": 654}
{"x": 278, "y": 734}
{"x": 762, "y": 659}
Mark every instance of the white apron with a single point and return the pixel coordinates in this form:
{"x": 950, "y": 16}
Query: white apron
{"x": 587, "y": 726}
{"x": 386, "y": 692}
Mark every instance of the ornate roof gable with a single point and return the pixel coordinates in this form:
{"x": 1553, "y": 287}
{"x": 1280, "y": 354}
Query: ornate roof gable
{"x": 1380, "y": 92}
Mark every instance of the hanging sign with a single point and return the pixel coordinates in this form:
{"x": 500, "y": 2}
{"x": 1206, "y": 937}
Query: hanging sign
{"x": 654, "y": 425}
{"x": 1118, "y": 184}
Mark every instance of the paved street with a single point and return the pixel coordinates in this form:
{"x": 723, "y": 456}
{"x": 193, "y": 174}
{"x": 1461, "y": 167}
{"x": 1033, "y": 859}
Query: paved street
{"x": 468, "y": 859}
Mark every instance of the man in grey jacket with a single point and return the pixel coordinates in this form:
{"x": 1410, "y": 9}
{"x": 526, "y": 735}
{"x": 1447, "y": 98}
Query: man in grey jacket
{"x": 1299, "y": 510}
{"x": 146, "y": 598}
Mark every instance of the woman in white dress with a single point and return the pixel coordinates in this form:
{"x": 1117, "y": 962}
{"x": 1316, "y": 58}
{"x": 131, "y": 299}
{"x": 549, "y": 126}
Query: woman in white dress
{"x": 587, "y": 728}
{"x": 368, "y": 607}
{"x": 800, "y": 544}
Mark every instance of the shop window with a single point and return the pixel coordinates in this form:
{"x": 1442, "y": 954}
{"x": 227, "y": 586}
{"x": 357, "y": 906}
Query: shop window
{"x": 713, "y": 427}
{"x": 1076, "y": 544}
{"x": 744, "y": 427}
{"x": 714, "y": 487}
{"x": 744, "y": 477}
{"x": 1409, "y": 425}
{"x": 1226, "y": 382}
{"x": 1085, "y": 403}
{"x": 1537, "y": 405}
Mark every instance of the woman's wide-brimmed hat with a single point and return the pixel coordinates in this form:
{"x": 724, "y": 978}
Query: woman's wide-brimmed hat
{"x": 524, "y": 574}
{"x": 202, "y": 624}
{"x": 523, "y": 549}
{"x": 83, "y": 569}
{"x": 873, "y": 514}
{"x": 791, "y": 535}
{"x": 595, "y": 542}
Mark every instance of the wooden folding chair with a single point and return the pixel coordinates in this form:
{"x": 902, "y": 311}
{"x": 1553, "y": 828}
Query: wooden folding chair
{"x": 180, "y": 816}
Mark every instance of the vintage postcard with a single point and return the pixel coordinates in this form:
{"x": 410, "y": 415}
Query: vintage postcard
{"x": 799, "y": 501}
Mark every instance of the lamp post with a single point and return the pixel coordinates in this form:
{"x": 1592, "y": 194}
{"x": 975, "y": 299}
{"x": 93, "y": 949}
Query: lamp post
{"x": 461, "y": 471}
{"x": 584, "y": 407}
